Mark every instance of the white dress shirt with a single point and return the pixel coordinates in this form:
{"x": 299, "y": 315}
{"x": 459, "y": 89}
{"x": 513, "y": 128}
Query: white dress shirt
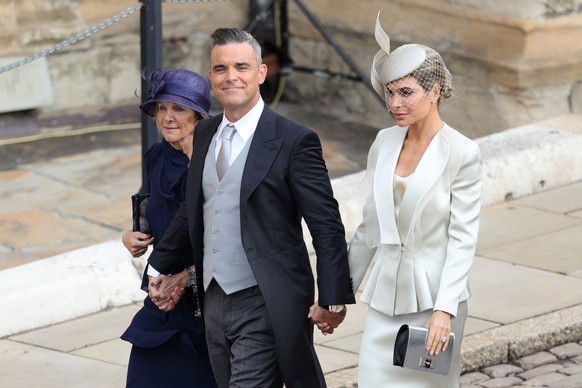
{"x": 245, "y": 128}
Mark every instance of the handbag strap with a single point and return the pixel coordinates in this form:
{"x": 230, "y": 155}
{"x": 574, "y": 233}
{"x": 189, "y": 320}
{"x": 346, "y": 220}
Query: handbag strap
{"x": 400, "y": 346}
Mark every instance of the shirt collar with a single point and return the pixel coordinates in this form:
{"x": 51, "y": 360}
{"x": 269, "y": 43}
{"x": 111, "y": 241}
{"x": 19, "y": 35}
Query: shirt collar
{"x": 247, "y": 124}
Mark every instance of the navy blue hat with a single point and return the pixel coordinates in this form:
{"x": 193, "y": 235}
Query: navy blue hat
{"x": 183, "y": 87}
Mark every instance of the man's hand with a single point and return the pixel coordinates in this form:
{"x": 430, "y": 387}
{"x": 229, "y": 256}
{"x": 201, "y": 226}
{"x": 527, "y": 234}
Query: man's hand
{"x": 325, "y": 320}
{"x": 165, "y": 291}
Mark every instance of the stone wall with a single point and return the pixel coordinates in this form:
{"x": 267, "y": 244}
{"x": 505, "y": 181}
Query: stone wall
{"x": 104, "y": 69}
{"x": 514, "y": 62}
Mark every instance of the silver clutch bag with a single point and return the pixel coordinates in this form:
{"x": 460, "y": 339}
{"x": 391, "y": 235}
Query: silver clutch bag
{"x": 410, "y": 351}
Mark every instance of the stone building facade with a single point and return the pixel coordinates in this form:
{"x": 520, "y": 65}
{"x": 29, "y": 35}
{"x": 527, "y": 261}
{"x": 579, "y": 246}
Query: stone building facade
{"x": 514, "y": 61}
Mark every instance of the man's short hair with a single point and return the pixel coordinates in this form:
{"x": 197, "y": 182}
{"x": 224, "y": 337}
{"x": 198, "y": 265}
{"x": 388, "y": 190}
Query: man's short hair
{"x": 224, "y": 36}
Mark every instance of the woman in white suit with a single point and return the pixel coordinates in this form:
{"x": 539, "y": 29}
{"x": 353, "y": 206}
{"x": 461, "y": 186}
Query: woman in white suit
{"x": 420, "y": 219}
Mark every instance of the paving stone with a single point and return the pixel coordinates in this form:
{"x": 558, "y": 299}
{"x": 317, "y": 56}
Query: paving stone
{"x": 72, "y": 335}
{"x": 334, "y": 359}
{"x": 567, "y": 350}
{"x": 569, "y": 382}
{"x": 476, "y": 325}
{"x": 500, "y": 284}
{"x": 572, "y": 370}
{"x": 546, "y": 380}
{"x": 535, "y": 360}
{"x": 502, "y": 370}
{"x": 473, "y": 377}
{"x": 502, "y": 382}
{"x": 540, "y": 370}
{"x": 560, "y": 200}
{"x": 577, "y": 360}
{"x": 115, "y": 351}
{"x": 562, "y": 258}
{"x": 347, "y": 378}
{"x": 508, "y": 223}
{"x": 35, "y": 367}
{"x": 26, "y": 233}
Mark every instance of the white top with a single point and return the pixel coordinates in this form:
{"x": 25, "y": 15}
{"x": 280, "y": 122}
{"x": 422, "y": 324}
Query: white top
{"x": 400, "y": 184}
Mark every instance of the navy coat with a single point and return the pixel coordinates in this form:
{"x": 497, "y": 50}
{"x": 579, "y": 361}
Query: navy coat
{"x": 168, "y": 347}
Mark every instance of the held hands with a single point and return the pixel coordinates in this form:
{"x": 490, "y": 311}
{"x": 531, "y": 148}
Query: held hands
{"x": 325, "y": 320}
{"x": 136, "y": 242}
{"x": 166, "y": 290}
{"x": 439, "y": 331}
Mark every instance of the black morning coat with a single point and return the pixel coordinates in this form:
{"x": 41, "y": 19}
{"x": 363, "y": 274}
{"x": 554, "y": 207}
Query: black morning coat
{"x": 284, "y": 179}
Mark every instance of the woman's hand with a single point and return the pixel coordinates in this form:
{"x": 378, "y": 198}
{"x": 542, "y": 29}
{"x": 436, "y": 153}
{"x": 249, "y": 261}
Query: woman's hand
{"x": 439, "y": 329}
{"x": 136, "y": 242}
{"x": 165, "y": 291}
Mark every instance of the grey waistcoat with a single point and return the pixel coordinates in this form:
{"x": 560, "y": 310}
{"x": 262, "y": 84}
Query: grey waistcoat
{"x": 224, "y": 256}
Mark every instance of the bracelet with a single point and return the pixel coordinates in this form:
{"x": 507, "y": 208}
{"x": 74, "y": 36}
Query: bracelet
{"x": 192, "y": 283}
{"x": 191, "y": 276}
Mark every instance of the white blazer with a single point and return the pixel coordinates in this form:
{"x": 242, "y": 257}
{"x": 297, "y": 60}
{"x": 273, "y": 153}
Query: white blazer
{"x": 422, "y": 259}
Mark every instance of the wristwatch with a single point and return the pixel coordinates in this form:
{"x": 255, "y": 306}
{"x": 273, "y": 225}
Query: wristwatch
{"x": 336, "y": 308}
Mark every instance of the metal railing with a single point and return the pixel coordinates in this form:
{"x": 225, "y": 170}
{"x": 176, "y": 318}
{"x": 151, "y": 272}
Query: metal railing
{"x": 151, "y": 51}
{"x": 93, "y": 30}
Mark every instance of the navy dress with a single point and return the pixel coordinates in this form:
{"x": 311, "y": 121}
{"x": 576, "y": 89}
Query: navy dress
{"x": 169, "y": 348}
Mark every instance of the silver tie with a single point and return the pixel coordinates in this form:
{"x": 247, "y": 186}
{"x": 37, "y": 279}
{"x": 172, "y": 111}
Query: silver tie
{"x": 223, "y": 160}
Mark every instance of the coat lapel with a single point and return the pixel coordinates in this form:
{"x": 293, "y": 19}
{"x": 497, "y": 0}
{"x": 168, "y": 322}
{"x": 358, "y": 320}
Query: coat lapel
{"x": 429, "y": 170}
{"x": 264, "y": 148}
{"x": 203, "y": 137}
{"x": 383, "y": 185}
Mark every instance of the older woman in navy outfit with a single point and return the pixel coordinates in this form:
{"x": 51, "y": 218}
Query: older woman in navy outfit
{"x": 169, "y": 348}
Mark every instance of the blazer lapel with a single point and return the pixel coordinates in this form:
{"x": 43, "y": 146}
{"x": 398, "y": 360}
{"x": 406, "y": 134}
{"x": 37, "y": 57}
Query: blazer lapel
{"x": 203, "y": 135}
{"x": 429, "y": 170}
{"x": 264, "y": 148}
{"x": 383, "y": 185}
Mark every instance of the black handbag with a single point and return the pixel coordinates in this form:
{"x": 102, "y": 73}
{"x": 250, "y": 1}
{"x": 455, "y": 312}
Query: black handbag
{"x": 139, "y": 203}
{"x": 410, "y": 351}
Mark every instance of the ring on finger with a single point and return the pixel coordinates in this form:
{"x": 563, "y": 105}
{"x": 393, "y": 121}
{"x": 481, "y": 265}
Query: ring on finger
{"x": 444, "y": 339}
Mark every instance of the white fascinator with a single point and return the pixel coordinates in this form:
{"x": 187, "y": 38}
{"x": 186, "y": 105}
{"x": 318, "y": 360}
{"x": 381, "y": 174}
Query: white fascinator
{"x": 419, "y": 61}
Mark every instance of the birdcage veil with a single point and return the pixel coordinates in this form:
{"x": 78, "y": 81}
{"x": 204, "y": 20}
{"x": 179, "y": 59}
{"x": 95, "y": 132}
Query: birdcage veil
{"x": 394, "y": 70}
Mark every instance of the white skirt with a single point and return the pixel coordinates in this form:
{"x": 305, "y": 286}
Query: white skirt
{"x": 376, "y": 369}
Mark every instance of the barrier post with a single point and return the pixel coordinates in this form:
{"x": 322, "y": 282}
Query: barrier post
{"x": 151, "y": 59}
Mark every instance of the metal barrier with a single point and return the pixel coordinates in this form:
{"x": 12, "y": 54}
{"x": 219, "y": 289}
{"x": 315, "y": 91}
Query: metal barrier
{"x": 151, "y": 51}
{"x": 74, "y": 39}
{"x": 93, "y": 30}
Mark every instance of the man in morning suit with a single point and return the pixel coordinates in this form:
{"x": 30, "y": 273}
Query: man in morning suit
{"x": 243, "y": 223}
